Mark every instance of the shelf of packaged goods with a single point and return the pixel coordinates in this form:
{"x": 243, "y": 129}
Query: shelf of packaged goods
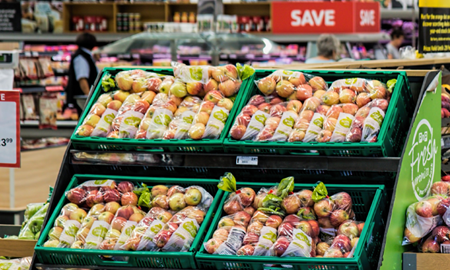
{"x": 66, "y": 37}
{"x": 399, "y": 14}
{"x": 38, "y": 88}
{"x": 59, "y": 123}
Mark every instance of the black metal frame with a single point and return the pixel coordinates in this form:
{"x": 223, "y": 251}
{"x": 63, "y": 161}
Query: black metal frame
{"x": 270, "y": 168}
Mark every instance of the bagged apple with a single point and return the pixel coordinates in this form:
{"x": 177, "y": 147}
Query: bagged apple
{"x": 341, "y": 247}
{"x": 237, "y": 200}
{"x": 127, "y": 105}
{"x": 297, "y": 245}
{"x": 272, "y": 202}
{"x": 252, "y": 118}
{"x": 142, "y": 236}
{"x": 31, "y": 228}
{"x": 122, "y": 225}
{"x": 279, "y": 126}
{"x": 437, "y": 242}
{"x": 103, "y": 126}
{"x": 377, "y": 90}
{"x": 362, "y": 130}
{"x": 332, "y": 115}
{"x": 158, "y": 101}
{"x": 179, "y": 233}
{"x": 267, "y": 238}
{"x": 421, "y": 218}
{"x": 308, "y": 115}
{"x": 231, "y": 245}
{"x": 351, "y": 229}
{"x": 183, "y": 119}
{"x": 132, "y": 118}
{"x": 137, "y": 81}
{"x": 15, "y": 264}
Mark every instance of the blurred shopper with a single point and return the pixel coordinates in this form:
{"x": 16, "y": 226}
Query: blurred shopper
{"x": 397, "y": 37}
{"x": 82, "y": 70}
{"x": 327, "y": 50}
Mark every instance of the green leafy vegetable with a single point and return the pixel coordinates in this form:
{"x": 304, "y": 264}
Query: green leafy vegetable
{"x": 227, "y": 182}
{"x": 145, "y": 196}
{"x": 285, "y": 186}
{"x": 108, "y": 83}
{"x": 245, "y": 71}
{"x": 319, "y": 192}
{"x": 391, "y": 84}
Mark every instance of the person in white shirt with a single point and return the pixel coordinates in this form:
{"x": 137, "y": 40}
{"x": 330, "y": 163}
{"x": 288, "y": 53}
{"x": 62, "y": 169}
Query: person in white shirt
{"x": 397, "y": 37}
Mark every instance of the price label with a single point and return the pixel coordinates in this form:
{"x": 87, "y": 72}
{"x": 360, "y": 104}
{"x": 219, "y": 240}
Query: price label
{"x": 247, "y": 160}
{"x": 10, "y": 129}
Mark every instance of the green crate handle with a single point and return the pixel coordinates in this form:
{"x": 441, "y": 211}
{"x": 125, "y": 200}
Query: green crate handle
{"x": 304, "y": 154}
{"x": 150, "y": 150}
{"x": 100, "y": 262}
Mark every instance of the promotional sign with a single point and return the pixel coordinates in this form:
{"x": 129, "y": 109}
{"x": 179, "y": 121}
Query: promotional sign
{"x": 420, "y": 168}
{"x": 10, "y": 17}
{"x": 10, "y": 128}
{"x": 434, "y": 26}
{"x": 325, "y": 17}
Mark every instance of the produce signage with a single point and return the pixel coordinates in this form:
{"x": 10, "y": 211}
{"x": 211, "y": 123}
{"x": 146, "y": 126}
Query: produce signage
{"x": 434, "y": 26}
{"x": 325, "y": 17}
{"x": 420, "y": 168}
{"x": 10, "y": 129}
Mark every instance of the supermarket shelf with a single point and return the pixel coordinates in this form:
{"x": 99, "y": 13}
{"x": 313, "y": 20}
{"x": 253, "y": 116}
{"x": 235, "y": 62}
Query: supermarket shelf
{"x": 68, "y": 37}
{"x": 399, "y": 14}
{"x": 36, "y": 133}
{"x": 45, "y": 147}
{"x": 38, "y": 88}
{"x": 108, "y": 37}
{"x": 46, "y": 266}
{"x": 33, "y": 123}
{"x": 282, "y": 162}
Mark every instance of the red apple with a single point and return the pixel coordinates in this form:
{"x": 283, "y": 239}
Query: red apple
{"x": 424, "y": 209}
{"x": 118, "y": 223}
{"x": 291, "y": 204}
{"x": 349, "y": 229}
{"x": 246, "y": 250}
{"x": 129, "y": 198}
{"x": 232, "y": 206}
{"x": 338, "y": 217}
{"x": 256, "y": 100}
{"x": 305, "y": 197}
{"x": 111, "y": 195}
{"x": 162, "y": 238}
{"x": 434, "y": 201}
{"x": 280, "y": 246}
{"x": 243, "y": 119}
{"x": 430, "y": 246}
{"x": 221, "y": 234}
{"x": 251, "y": 238}
{"x": 323, "y": 208}
{"x": 440, "y": 188}
{"x": 274, "y": 221}
{"x": 342, "y": 200}
{"x": 125, "y": 212}
{"x": 411, "y": 237}
{"x": 304, "y": 92}
{"x": 125, "y": 186}
{"x": 250, "y": 210}
{"x": 255, "y": 227}
{"x": 343, "y": 242}
{"x": 76, "y": 195}
{"x": 249, "y": 110}
{"x": 441, "y": 233}
{"x": 292, "y": 219}
{"x": 315, "y": 228}
{"x": 325, "y": 222}
{"x": 360, "y": 227}
{"x": 306, "y": 227}
{"x": 247, "y": 196}
{"x": 321, "y": 248}
{"x": 242, "y": 218}
{"x": 443, "y": 206}
{"x": 285, "y": 229}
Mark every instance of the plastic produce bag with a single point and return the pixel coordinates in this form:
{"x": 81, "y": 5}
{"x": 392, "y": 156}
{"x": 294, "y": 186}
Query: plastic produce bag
{"x": 127, "y": 105}
{"x": 421, "y": 218}
{"x": 33, "y": 225}
{"x": 132, "y": 118}
{"x": 16, "y": 264}
{"x": 95, "y": 114}
{"x": 142, "y": 236}
{"x": 341, "y": 247}
{"x": 137, "y": 80}
{"x": 110, "y": 110}
{"x": 302, "y": 126}
{"x": 437, "y": 242}
{"x": 48, "y": 110}
{"x": 183, "y": 119}
{"x": 239, "y": 199}
{"x": 29, "y": 107}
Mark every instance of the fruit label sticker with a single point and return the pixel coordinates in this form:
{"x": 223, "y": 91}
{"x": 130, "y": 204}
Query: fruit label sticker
{"x": 104, "y": 125}
{"x": 285, "y": 127}
{"x": 68, "y": 234}
{"x": 423, "y": 159}
{"x": 216, "y": 123}
{"x": 99, "y": 183}
{"x": 189, "y": 74}
{"x": 96, "y": 234}
{"x": 300, "y": 245}
{"x": 315, "y": 126}
{"x": 130, "y": 124}
{"x": 183, "y": 237}
{"x": 146, "y": 242}
{"x": 159, "y": 124}
{"x": 256, "y": 124}
{"x": 372, "y": 124}
{"x": 266, "y": 239}
{"x": 185, "y": 123}
{"x": 126, "y": 234}
{"x": 233, "y": 242}
{"x": 343, "y": 125}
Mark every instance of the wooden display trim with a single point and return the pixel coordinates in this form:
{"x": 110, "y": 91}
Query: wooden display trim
{"x": 17, "y": 248}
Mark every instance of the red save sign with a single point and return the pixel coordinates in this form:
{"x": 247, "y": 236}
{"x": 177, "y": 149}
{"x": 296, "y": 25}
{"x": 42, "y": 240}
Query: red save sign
{"x": 325, "y": 17}
{"x": 10, "y": 128}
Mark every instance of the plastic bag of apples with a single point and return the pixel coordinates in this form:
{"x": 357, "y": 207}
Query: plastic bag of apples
{"x": 184, "y": 117}
{"x": 437, "y": 242}
{"x": 137, "y": 80}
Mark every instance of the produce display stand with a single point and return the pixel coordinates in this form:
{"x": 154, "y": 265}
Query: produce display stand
{"x": 392, "y": 172}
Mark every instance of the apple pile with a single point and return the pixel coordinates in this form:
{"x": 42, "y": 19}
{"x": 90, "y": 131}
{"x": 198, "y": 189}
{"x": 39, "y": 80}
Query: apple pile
{"x": 115, "y": 222}
{"x": 279, "y": 222}
{"x": 445, "y": 106}
{"x": 106, "y": 107}
{"x": 200, "y": 80}
{"x": 439, "y": 238}
{"x": 137, "y": 80}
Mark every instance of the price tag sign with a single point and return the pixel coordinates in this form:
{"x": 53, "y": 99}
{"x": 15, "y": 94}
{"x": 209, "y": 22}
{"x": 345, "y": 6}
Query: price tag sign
{"x": 247, "y": 160}
{"x": 10, "y": 129}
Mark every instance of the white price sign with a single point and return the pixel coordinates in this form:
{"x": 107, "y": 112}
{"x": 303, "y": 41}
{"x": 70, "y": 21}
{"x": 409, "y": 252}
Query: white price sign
{"x": 246, "y": 160}
{"x": 10, "y": 129}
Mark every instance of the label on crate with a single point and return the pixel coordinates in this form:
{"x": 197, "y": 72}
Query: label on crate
{"x": 445, "y": 248}
{"x": 246, "y": 160}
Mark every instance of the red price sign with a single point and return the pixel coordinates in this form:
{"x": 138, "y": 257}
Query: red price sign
{"x": 325, "y": 17}
{"x": 10, "y": 128}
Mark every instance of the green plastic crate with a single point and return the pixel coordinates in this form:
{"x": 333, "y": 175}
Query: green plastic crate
{"x": 368, "y": 205}
{"x": 157, "y": 145}
{"x": 140, "y": 259}
{"x": 391, "y": 137}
